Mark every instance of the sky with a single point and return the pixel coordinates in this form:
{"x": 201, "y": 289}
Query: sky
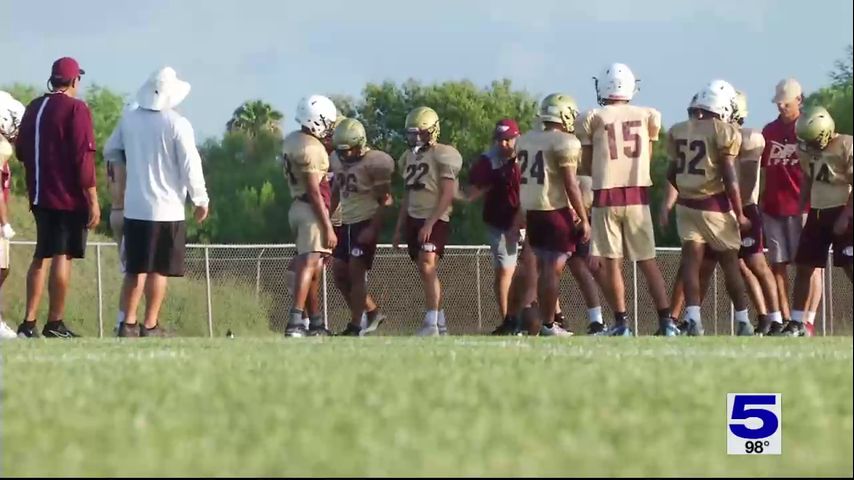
{"x": 280, "y": 51}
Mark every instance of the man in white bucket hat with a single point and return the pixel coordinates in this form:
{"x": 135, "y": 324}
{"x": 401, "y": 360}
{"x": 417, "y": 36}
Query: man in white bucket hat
{"x": 156, "y": 148}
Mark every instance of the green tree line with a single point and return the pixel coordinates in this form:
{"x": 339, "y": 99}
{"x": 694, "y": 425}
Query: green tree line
{"x": 250, "y": 197}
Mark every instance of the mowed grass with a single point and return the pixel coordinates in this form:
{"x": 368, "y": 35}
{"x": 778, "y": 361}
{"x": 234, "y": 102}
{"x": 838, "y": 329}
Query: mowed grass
{"x": 407, "y": 406}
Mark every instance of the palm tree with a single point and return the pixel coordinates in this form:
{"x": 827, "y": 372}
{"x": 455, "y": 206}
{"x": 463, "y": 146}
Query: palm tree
{"x": 254, "y": 117}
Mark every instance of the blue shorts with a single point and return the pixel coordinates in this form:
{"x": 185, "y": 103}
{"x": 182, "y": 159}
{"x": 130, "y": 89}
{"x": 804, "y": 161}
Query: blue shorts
{"x": 504, "y": 253}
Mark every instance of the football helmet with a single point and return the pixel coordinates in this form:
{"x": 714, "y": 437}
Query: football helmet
{"x": 11, "y": 113}
{"x": 616, "y": 82}
{"x": 815, "y": 127}
{"x": 717, "y": 97}
{"x": 317, "y": 114}
{"x": 559, "y": 108}
{"x": 739, "y": 114}
{"x": 419, "y": 121}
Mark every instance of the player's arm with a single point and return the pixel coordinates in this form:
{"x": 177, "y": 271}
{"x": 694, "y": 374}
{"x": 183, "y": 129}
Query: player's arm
{"x": 730, "y": 180}
{"x": 748, "y": 175}
{"x": 336, "y": 196}
{"x": 573, "y": 192}
{"x": 381, "y": 191}
{"x": 843, "y": 222}
{"x": 447, "y": 186}
{"x": 585, "y": 168}
{"x": 806, "y": 182}
{"x": 315, "y": 200}
{"x": 670, "y": 196}
{"x": 4, "y": 211}
{"x": 471, "y": 193}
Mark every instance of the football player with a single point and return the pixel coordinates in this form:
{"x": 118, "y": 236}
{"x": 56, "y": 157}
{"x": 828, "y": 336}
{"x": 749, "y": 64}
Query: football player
{"x": 306, "y": 164}
{"x": 548, "y": 160}
{"x": 758, "y": 277}
{"x": 826, "y": 158}
{"x": 430, "y": 172}
{"x": 617, "y": 151}
{"x": 362, "y": 183}
{"x": 11, "y": 113}
{"x": 709, "y": 209}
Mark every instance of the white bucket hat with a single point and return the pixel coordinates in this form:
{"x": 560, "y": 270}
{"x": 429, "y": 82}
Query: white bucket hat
{"x": 162, "y": 91}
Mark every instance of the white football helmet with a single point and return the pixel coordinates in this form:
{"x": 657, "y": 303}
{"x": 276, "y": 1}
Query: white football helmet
{"x": 616, "y": 82}
{"x": 717, "y": 97}
{"x": 317, "y": 113}
{"x": 11, "y": 113}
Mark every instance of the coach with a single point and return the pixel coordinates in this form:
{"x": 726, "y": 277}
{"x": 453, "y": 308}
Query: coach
{"x": 157, "y": 147}
{"x": 56, "y": 143}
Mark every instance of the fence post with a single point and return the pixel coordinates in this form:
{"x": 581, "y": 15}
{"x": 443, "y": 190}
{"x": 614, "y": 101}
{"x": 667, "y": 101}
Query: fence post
{"x": 258, "y": 273}
{"x": 715, "y": 303}
{"x": 827, "y": 296}
{"x": 635, "y": 299}
{"x": 325, "y": 311}
{"x": 208, "y": 281}
{"x": 100, "y": 291}
{"x": 479, "y": 300}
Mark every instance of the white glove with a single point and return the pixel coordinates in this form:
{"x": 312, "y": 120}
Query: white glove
{"x": 6, "y": 231}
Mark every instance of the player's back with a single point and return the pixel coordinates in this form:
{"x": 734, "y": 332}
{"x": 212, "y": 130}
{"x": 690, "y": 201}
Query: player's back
{"x": 697, "y": 146}
{"x": 541, "y": 154}
{"x": 422, "y": 175}
{"x": 302, "y": 154}
{"x": 620, "y": 135}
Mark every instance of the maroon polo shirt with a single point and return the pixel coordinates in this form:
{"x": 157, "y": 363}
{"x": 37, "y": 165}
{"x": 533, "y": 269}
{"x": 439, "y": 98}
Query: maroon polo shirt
{"x": 56, "y": 143}
{"x": 502, "y": 200}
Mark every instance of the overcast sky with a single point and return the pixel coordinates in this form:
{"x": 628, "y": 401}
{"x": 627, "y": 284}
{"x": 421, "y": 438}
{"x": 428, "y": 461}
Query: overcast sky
{"x": 280, "y": 51}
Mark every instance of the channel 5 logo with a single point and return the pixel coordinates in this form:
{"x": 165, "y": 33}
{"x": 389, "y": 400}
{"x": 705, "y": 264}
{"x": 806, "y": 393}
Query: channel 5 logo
{"x": 754, "y": 423}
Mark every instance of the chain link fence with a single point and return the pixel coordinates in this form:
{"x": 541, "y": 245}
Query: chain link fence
{"x": 243, "y": 288}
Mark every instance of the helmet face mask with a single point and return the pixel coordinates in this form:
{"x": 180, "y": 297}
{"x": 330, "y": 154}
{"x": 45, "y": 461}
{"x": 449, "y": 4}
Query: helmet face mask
{"x": 739, "y": 114}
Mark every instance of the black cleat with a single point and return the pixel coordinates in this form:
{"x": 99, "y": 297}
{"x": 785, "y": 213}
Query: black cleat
{"x": 57, "y": 330}
{"x": 351, "y": 331}
{"x": 763, "y": 328}
{"x": 794, "y": 329}
{"x": 128, "y": 331}
{"x": 155, "y": 332}
{"x": 775, "y": 330}
{"x": 320, "y": 331}
{"x": 596, "y": 328}
{"x": 507, "y": 327}
{"x": 28, "y": 331}
{"x": 296, "y": 331}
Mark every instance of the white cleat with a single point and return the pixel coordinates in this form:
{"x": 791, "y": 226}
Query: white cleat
{"x": 427, "y": 331}
{"x": 6, "y": 332}
{"x": 555, "y": 331}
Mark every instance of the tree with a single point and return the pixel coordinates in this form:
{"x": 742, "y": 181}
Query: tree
{"x": 255, "y": 116}
{"x": 837, "y": 97}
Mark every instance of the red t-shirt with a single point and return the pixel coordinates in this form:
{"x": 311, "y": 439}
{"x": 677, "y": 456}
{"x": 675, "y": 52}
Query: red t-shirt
{"x": 56, "y": 143}
{"x": 501, "y": 202}
{"x": 783, "y": 173}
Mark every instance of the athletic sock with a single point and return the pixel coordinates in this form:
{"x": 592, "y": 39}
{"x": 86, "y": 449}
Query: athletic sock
{"x": 620, "y": 319}
{"x": 741, "y": 316}
{"x": 775, "y": 317}
{"x": 295, "y": 317}
{"x": 594, "y": 315}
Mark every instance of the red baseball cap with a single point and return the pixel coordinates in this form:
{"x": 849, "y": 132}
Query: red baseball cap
{"x": 66, "y": 68}
{"x": 506, "y": 129}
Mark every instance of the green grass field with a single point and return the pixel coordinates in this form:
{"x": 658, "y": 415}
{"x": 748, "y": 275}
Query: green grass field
{"x": 406, "y": 406}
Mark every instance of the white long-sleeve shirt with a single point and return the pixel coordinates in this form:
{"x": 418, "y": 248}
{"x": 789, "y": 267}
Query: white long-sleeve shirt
{"x": 163, "y": 164}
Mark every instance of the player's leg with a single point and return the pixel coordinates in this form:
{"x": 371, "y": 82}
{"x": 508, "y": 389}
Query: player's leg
{"x": 427, "y": 264}
{"x": 504, "y": 256}
{"x": 361, "y": 261}
{"x": 155, "y": 293}
{"x": 523, "y": 291}
{"x": 692, "y": 258}
{"x": 6, "y": 332}
{"x": 607, "y": 246}
{"x": 589, "y": 287}
{"x": 639, "y": 237}
{"x": 761, "y": 282}
{"x": 550, "y": 265}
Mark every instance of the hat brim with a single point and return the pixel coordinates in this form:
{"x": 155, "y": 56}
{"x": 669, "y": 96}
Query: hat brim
{"x": 169, "y": 96}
